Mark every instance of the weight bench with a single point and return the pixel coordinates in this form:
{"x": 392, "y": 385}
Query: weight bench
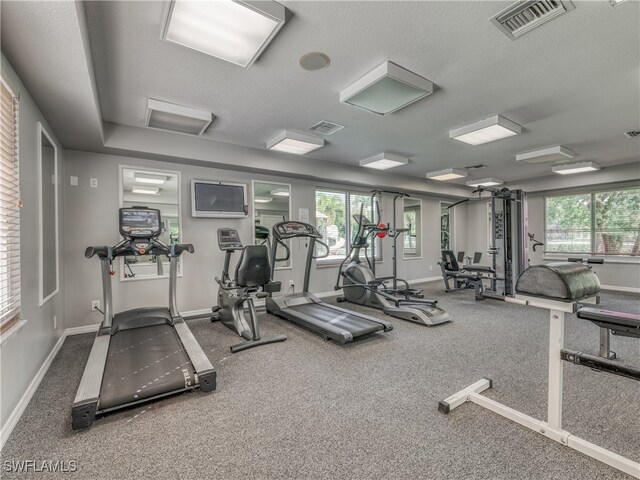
{"x": 470, "y": 276}
{"x": 618, "y": 323}
{"x": 560, "y": 288}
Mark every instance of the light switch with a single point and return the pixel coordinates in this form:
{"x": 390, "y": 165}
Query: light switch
{"x": 73, "y": 181}
{"x": 93, "y": 182}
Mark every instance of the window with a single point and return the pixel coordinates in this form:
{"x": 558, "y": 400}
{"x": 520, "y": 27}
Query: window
{"x": 334, "y": 218}
{"x": 596, "y": 223}
{"x": 9, "y": 211}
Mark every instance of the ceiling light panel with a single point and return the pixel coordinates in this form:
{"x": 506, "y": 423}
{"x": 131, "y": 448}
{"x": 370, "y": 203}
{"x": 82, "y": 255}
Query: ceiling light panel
{"x": 295, "y": 142}
{"x": 262, "y": 199}
{"x": 384, "y": 161}
{"x": 386, "y": 89}
{"x": 543, "y": 155}
{"x": 177, "y": 118}
{"x": 447, "y": 174}
{"x": 580, "y": 167}
{"x": 280, "y": 192}
{"x": 149, "y": 179}
{"x": 145, "y": 190}
{"x": 235, "y": 31}
{"x": 485, "y": 131}
{"x": 485, "y": 182}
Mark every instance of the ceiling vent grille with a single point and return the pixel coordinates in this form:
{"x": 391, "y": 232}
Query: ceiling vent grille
{"x": 324, "y": 127}
{"x": 632, "y": 134}
{"x": 525, "y": 15}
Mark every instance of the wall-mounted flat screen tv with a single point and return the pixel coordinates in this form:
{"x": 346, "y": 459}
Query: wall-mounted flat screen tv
{"x": 218, "y": 200}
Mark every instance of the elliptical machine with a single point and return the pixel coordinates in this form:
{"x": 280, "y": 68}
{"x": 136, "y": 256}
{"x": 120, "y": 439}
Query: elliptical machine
{"x": 360, "y": 285}
{"x": 253, "y": 272}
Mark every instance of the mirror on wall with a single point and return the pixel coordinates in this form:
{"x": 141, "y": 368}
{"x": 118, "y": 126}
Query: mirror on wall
{"x": 271, "y": 205}
{"x": 141, "y": 187}
{"x": 446, "y": 226}
{"x": 412, "y": 219}
{"x": 48, "y": 174}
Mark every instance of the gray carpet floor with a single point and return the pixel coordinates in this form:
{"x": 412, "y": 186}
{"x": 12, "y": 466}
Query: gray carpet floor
{"x": 310, "y": 409}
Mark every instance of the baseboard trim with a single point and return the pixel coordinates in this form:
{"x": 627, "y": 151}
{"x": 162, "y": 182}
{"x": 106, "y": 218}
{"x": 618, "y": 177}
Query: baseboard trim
{"x": 31, "y": 390}
{"x": 81, "y": 330}
{"x": 425, "y": 280}
{"x": 615, "y": 288}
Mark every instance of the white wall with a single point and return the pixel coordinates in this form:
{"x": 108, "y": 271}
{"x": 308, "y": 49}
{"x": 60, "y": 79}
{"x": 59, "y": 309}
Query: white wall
{"x": 23, "y": 354}
{"x": 91, "y": 219}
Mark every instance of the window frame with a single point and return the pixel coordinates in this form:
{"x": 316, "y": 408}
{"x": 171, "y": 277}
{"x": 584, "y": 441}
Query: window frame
{"x": 15, "y": 321}
{"x": 330, "y": 262}
{"x": 613, "y": 258}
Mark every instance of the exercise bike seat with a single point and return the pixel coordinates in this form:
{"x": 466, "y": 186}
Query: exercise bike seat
{"x": 620, "y": 323}
{"x": 253, "y": 268}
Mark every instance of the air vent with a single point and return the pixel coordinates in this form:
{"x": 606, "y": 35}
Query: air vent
{"x": 326, "y": 128}
{"x": 632, "y": 134}
{"x": 525, "y": 15}
{"x": 476, "y": 167}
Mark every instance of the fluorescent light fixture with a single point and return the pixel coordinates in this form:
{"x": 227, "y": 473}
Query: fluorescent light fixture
{"x": 177, "y": 118}
{"x": 485, "y": 182}
{"x": 295, "y": 142}
{"x": 384, "y": 161}
{"x": 615, "y": 3}
{"x": 543, "y": 155}
{"x": 386, "y": 89}
{"x": 235, "y": 31}
{"x": 149, "y": 179}
{"x": 448, "y": 174}
{"x": 576, "y": 168}
{"x": 280, "y": 192}
{"x": 485, "y": 131}
{"x": 262, "y": 199}
{"x": 145, "y": 190}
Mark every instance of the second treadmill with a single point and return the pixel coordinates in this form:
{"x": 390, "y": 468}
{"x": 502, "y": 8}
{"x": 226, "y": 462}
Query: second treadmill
{"x": 306, "y": 309}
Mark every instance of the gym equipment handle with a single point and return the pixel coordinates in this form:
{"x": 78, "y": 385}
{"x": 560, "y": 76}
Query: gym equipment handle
{"x": 286, "y": 249}
{"x": 325, "y": 246}
{"x": 179, "y": 248}
{"x": 101, "y": 251}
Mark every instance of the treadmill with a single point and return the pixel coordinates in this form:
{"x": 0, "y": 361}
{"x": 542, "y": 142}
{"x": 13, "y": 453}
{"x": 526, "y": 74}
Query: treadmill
{"x": 305, "y": 308}
{"x": 145, "y": 353}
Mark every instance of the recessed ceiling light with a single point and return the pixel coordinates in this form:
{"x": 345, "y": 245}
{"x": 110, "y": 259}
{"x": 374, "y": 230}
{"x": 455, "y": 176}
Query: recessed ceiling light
{"x": 313, "y": 61}
{"x": 145, "y": 190}
{"x": 177, "y": 118}
{"x": 485, "y": 182}
{"x": 384, "y": 161}
{"x": 576, "y": 168}
{"x": 149, "y": 179}
{"x": 280, "y": 192}
{"x": 295, "y": 142}
{"x": 236, "y": 31}
{"x": 487, "y": 130}
{"x": 262, "y": 199}
{"x": 386, "y": 89}
{"x": 447, "y": 174}
{"x": 549, "y": 154}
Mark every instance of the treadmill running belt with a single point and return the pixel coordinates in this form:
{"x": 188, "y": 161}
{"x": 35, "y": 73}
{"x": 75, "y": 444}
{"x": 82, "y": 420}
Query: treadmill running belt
{"x": 143, "y": 363}
{"x": 353, "y": 323}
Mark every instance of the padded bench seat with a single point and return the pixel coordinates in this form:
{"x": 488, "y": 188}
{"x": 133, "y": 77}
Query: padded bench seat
{"x": 619, "y": 323}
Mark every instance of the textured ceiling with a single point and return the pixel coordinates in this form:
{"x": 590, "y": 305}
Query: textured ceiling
{"x": 574, "y": 81}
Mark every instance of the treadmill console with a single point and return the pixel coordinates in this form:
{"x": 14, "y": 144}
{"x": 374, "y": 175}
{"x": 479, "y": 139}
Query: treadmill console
{"x": 229, "y": 239}
{"x": 292, "y": 229}
{"x": 140, "y": 222}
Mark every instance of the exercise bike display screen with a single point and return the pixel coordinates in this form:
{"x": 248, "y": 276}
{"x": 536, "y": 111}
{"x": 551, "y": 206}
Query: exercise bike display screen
{"x": 140, "y": 222}
{"x": 228, "y": 238}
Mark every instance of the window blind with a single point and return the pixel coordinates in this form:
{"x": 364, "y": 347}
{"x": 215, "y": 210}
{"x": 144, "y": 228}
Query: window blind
{"x": 9, "y": 210}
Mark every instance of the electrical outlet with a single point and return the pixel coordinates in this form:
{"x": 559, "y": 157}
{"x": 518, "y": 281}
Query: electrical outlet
{"x": 291, "y": 283}
{"x": 95, "y": 305}
{"x": 430, "y": 267}
{"x": 55, "y": 322}
{"x": 93, "y": 182}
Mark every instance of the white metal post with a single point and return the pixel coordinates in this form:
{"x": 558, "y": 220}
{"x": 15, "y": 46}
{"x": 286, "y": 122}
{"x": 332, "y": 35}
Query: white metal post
{"x": 556, "y": 344}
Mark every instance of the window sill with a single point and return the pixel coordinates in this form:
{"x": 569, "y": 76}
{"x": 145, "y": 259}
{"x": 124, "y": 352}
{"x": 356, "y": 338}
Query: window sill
{"x": 608, "y": 259}
{"x": 336, "y": 263}
{"x": 11, "y": 332}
